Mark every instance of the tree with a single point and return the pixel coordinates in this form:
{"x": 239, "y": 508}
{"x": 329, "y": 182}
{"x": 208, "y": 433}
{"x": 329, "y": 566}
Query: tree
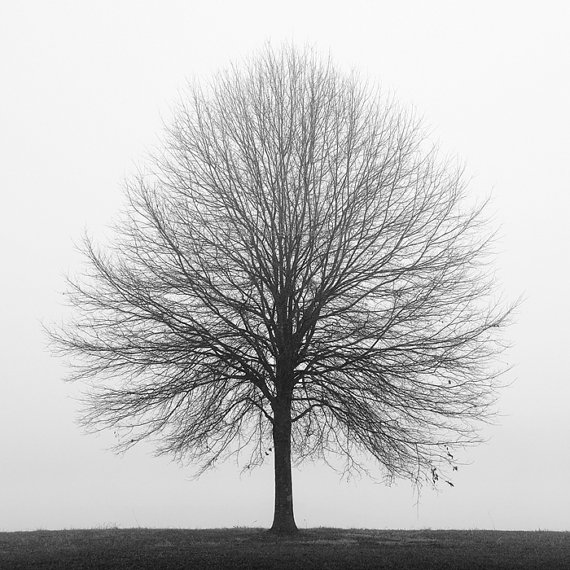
{"x": 296, "y": 273}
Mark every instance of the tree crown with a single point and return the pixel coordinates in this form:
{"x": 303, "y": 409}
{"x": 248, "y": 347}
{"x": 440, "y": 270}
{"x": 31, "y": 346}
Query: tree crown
{"x": 296, "y": 244}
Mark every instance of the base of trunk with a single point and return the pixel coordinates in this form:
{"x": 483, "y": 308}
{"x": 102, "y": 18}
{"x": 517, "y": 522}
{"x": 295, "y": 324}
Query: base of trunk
{"x": 282, "y": 529}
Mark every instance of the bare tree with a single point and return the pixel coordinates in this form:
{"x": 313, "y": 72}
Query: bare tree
{"x": 297, "y": 273}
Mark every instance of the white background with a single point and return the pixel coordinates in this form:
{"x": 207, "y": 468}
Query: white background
{"x": 84, "y": 88}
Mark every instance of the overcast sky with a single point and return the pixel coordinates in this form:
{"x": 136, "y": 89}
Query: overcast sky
{"x": 85, "y": 87}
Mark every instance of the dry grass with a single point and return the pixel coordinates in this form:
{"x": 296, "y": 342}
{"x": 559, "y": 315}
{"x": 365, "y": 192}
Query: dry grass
{"x": 255, "y": 548}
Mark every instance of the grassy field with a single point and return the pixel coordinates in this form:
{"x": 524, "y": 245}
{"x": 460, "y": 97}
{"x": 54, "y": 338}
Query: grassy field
{"x": 255, "y": 548}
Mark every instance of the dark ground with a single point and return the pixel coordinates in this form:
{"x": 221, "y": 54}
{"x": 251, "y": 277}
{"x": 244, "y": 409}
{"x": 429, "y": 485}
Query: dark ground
{"x": 313, "y": 548}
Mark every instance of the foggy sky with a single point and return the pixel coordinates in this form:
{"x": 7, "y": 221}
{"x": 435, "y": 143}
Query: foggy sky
{"x": 85, "y": 88}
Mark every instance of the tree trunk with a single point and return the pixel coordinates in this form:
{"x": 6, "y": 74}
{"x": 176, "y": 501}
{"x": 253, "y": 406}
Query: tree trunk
{"x": 283, "y": 519}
